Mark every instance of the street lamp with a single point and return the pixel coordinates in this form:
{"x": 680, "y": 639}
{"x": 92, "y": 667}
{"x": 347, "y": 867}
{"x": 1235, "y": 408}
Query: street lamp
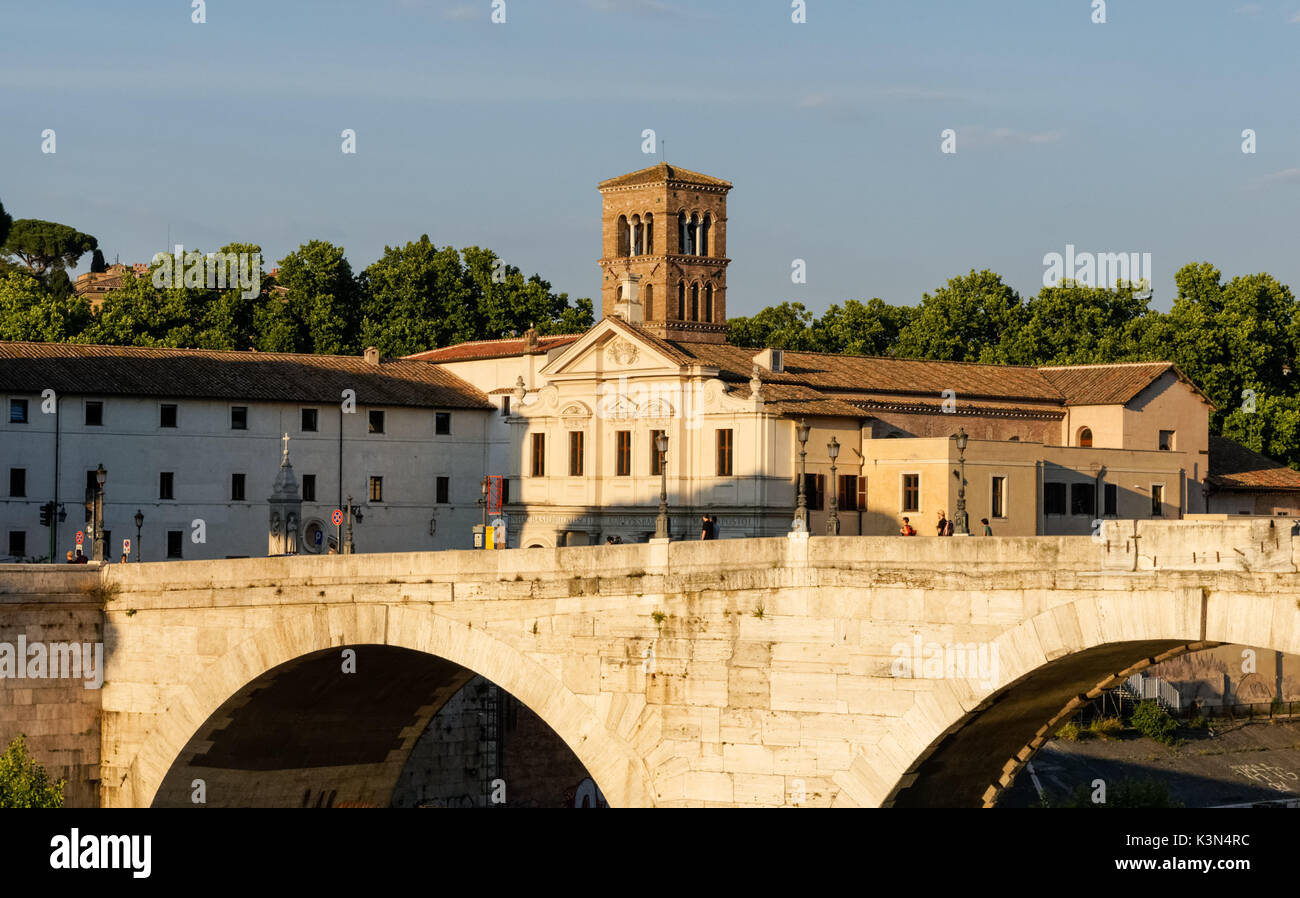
{"x": 661, "y": 522}
{"x": 801, "y": 509}
{"x": 483, "y": 501}
{"x": 139, "y": 523}
{"x": 962, "y": 524}
{"x": 833, "y": 522}
{"x": 353, "y": 513}
{"x": 100, "y": 476}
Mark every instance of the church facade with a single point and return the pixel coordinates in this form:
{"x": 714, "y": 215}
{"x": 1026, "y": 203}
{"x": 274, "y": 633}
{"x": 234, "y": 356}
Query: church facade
{"x": 1049, "y": 450}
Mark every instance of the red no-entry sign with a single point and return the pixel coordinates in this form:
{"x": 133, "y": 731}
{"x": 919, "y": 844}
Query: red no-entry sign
{"x": 80, "y": 537}
{"x": 338, "y": 518}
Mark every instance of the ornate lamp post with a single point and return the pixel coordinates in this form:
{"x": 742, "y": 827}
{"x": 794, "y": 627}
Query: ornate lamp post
{"x": 139, "y": 524}
{"x": 962, "y": 523}
{"x": 661, "y": 522}
{"x": 100, "y": 476}
{"x": 801, "y": 509}
{"x": 833, "y": 522}
{"x": 483, "y": 501}
{"x": 354, "y": 512}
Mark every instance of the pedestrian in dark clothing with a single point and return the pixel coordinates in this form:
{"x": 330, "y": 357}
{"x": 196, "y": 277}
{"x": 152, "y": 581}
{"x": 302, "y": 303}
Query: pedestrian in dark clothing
{"x": 710, "y": 527}
{"x": 943, "y": 526}
{"x": 907, "y": 529}
{"x": 988, "y": 531}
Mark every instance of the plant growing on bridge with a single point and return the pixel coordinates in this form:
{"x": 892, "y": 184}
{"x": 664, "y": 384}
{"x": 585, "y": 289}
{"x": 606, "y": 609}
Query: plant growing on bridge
{"x": 758, "y": 612}
{"x": 103, "y": 593}
{"x": 1154, "y": 722}
{"x": 659, "y": 618}
{"x": 24, "y": 782}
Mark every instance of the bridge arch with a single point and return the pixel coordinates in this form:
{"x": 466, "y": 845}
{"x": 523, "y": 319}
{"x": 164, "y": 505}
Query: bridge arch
{"x": 974, "y": 742}
{"x": 610, "y": 760}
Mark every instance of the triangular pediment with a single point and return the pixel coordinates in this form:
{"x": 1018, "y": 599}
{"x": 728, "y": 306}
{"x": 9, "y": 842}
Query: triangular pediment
{"x": 613, "y": 347}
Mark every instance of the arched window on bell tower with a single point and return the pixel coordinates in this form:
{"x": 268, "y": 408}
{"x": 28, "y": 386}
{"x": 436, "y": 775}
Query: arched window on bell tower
{"x": 695, "y": 301}
{"x": 705, "y": 227}
{"x": 681, "y": 234}
{"x": 708, "y": 302}
{"x": 681, "y": 300}
{"x": 623, "y": 248}
{"x": 693, "y": 234}
{"x": 637, "y": 237}
{"x": 649, "y": 293}
{"x": 649, "y": 224}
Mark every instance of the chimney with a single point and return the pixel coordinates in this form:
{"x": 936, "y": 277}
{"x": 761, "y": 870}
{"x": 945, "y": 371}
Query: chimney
{"x": 629, "y": 300}
{"x": 530, "y": 339}
{"x": 372, "y": 355}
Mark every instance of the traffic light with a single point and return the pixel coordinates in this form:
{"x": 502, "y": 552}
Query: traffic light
{"x": 47, "y": 514}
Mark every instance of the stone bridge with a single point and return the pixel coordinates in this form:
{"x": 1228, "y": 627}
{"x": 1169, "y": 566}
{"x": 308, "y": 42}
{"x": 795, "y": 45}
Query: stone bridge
{"x": 848, "y": 671}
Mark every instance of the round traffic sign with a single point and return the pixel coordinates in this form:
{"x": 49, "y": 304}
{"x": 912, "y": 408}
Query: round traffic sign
{"x": 80, "y": 537}
{"x": 126, "y": 547}
{"x": 338, "y": 516}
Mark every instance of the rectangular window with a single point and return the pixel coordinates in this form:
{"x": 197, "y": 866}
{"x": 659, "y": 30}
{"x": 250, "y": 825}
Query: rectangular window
{"x": 505, "y": 406}
{"x": 538, "y": 466}
{"x": 94, "y": 413}
{"x": 236, "y": 487}
{"x": 442, "y": 423}
{"x": 998, "y": 497}
{"x": 1053, "y": 498}
{"x": 655, "y": 470}
{"x": 848, "y": 492}
{"x": 505, "y": 490}
{"x": 862, "y": 494}
{"x": 376, "y": 489}
{"x": 1157, "y": 500}
{"x": 18, "y": 483}
{"x": 17, "y": 411}
{"x": 376, "y": 421}
{"x": 1112, "y": 499}
{"x": 239, "y": 417}
{"x": 575, "y": 452}
{"x": 174, "y": 543}
{"x": 1083, "y": 499}
{"x": 623, "y": 453}
{"x": 1167, "y": 440}
{"x": 310, "y": 420}
{"x": 911, "y": 492}
{"x": 815, "y": 491}
{"x": 442, "y": 487}
{"x": 724, "y": 453}
{"x": 165, "y": 484}
{"x": 18, "y": 542}
{"x": 309, "y": 487}
{"x": 167, "y": 415}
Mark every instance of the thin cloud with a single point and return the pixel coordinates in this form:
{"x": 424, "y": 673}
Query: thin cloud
{"x": 981, "y": 137}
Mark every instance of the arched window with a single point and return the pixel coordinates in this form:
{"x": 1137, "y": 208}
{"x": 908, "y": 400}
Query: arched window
{"x": 704, "y": 235}
{"x": 649, "y": 301}
{"x": 637, "y": 236}
{"x": 681, "y": 300}
{"x": 708, "y": 302}
{"x": 681, "y": 233}
{"x": 693, "y": 236}
{"x": 649, "y": 224}
{"x": 1085, "y": 437}
{"x": 695, "y": 302}
{"x": 622, "y": 248}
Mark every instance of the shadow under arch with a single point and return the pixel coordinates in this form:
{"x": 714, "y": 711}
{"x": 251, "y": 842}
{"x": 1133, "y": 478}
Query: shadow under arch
{"x": 455, "y": 651}
{"x": 975, "y": 759}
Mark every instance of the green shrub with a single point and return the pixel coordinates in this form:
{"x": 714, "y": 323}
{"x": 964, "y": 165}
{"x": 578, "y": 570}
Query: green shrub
{"x": 1106, "y": 727}
{"x": 1154, "y": 722}
{"x": 24, "y": 782}
{"x": 1129, "y": 793}
{"x": 1070, "y": 732}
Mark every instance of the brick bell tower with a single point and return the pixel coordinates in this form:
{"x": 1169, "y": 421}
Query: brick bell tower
{"x": 664, "y": 252}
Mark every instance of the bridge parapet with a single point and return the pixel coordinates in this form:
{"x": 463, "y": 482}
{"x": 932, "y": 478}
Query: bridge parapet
{"x": 1257, "y": 545}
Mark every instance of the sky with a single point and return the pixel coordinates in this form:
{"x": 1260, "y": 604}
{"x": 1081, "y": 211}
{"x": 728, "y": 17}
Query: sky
{"x": 1122, "y": 136}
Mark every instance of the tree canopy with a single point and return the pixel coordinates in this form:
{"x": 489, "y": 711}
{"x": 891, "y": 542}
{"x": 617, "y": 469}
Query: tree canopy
{"x": 24, "y": 782}
{"x": 46, "y": 245}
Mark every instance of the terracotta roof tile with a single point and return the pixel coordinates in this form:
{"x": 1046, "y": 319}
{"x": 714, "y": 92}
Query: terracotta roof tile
{"x": 1115, "y": 384}
{"x": 493, "y": 349}
{"x": 1233, "y": 466}
{"x": 206, "y": 374}
{"x": 660, "y": 173}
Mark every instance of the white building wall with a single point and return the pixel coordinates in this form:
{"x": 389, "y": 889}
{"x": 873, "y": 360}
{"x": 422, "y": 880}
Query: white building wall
{"x": 203, "y": 451}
